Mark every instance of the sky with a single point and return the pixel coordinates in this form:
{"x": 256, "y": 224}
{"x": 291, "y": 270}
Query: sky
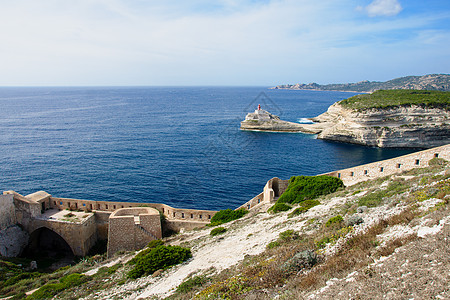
{"x": 207, "y": 42}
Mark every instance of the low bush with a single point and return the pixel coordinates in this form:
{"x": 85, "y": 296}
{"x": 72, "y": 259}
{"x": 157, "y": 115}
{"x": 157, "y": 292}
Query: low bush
{"x": 217, "y": 231}
{"x": 273, "y": 244}
{"x": 155, "y": 243}
{"x": 277, "y": 207}
{"x": 192, "y": 283}
{"x": 437, "y": 161}
{"x": 301, "y": 260}
{"x": 160, "y": 257}
{"x": 334, "y": 221}
{"x": 288, "y": 235}
{"x": 297, "y": 211}
{"x": 303, "y": 188}
{"x": 227, "y": 215}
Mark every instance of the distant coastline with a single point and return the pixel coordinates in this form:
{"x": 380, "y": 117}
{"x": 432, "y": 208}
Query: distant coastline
{"x": 436, "y": 82}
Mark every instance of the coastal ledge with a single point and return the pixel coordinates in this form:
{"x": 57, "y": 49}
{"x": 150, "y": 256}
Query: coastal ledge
{"x": 262, "y": 120}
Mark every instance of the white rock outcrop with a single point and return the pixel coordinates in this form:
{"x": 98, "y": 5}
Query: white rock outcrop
{"x": 262, "y": 120}
{"x": 403, "y": 126}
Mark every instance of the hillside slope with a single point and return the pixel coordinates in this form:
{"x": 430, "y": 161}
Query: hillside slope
{"x": 385, "y": 238}
{"x": 438, "y": 82}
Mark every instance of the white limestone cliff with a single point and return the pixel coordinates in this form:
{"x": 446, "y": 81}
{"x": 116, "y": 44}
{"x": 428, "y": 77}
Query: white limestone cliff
{"x": 403, "y": 126}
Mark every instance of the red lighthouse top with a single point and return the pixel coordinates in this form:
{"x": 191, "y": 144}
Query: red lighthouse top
{"x": 259, "y": 106}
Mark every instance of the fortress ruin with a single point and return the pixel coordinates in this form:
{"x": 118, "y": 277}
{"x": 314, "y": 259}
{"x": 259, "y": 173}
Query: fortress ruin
{"x": 76, "y": 225}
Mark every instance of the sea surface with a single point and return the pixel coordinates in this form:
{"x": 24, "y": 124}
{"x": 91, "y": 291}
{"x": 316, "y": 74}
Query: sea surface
{"x": 176, "y": 145}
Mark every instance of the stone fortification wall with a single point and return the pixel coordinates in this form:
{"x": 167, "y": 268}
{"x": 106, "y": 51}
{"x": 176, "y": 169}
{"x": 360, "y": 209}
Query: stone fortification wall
{"x": 133, "y": 228}
{"x": 171, "y": 213}
{"x": 272, "y": 190}
{"x": 80, "y": 236}
{"x": 392, "y": 166}
{"x": 7, "y": 211}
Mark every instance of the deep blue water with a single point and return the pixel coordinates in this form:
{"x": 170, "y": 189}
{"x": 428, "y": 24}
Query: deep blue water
{"x": 181, "y": 146}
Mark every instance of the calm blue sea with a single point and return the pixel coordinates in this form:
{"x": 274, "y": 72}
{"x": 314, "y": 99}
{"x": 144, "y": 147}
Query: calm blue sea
{"x": 176, "y": 145}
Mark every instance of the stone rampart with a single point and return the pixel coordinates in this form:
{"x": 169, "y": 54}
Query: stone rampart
{"x": 392, "y": 166}
{"x": 133, "y": 228}
{"x": 171, "y": 213}
{"x": 7, "y": 211}
{"x": 80, "y": 236}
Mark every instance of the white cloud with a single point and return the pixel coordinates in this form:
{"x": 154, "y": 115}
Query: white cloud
{"x": 387, "y": 8}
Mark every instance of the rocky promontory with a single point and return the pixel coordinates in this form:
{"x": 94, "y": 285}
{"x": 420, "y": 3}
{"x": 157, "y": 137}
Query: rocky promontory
{"x": 262, "y": 120}
{"x": 388, "y": 119}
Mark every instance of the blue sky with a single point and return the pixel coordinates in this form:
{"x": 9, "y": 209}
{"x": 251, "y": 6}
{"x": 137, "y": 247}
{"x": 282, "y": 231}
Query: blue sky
{"x": 200, "y": 42}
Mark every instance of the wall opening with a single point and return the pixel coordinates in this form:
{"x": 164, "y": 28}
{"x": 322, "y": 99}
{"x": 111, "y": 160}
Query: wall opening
{"x": 436, "y": 155}
{"x": 49, "y": 249}
{"x": 417, "y": 162}
{"x": 275, "y": 188}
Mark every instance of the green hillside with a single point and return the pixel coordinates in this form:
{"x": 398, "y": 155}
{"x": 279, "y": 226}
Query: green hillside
{"x": 395, "y": 98}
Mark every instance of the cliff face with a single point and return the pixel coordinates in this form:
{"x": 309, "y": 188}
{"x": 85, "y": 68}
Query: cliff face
{"x": 404, "y": 126}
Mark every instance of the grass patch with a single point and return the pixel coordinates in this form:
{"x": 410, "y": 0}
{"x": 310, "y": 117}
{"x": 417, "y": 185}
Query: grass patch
{"x": 192, "y": 283}
{"x": 217, "y": 231}
{"x": 278, "y": 207}
{"x": 49, "y": 290}
{"x": 336, "y": 220}
{"x": 304, "y": 207}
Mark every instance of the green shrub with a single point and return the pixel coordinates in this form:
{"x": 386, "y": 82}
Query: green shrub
{"x": 334, "y": 220}
{"x": 298, "y": 211}
{"x": 288, "y": 235}
{"x": 273, "y": 244}
{"x": 309, "y": 203}
{"x": 192, "y": 283}
{"x": 303, "y": 188}
{"x": 155, "y": 243}
{"x": 160, "y": 257}
{"x": 277, "y": 207}
{"x": 227, "y": 215}
{"x": 217, "y": 231}
{"x": 150, "y": 246}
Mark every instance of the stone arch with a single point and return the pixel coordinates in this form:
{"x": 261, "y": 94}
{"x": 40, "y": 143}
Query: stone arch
{"x": 45, "y": 241}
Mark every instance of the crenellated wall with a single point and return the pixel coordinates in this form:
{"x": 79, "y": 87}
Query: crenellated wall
{"x": 392, "y": 166}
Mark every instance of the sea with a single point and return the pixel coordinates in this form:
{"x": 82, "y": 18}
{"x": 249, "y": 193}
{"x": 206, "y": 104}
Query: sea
{"x": 181, "y": 146}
